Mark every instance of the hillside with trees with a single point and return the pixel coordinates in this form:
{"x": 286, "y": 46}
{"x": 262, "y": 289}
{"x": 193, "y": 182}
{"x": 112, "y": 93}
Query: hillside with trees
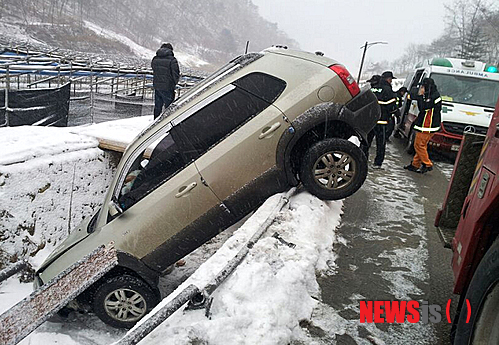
{"x": 213, "y": 30}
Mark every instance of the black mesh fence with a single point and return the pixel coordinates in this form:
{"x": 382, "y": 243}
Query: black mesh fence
{"x": 44, "y": 107}
{"x": 98, "y": 107}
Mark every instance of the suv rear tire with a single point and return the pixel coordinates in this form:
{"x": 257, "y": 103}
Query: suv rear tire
{"x": 333, "y": 169}
{"x": 122, "y": 301}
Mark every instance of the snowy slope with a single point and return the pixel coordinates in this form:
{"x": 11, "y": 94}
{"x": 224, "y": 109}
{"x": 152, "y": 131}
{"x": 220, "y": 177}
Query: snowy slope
{"x": 274, "y": 288}
{"x": 145, "y": 53}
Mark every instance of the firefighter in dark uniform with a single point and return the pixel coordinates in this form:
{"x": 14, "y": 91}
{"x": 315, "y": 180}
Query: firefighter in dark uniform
{"x": 425, "y": 125}
{"x": 388, "y": 104}
{"x": 395, "y": 118}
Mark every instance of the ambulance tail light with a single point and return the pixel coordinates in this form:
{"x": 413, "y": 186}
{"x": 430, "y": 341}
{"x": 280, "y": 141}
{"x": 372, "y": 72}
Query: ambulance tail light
{"x": 346, "y": 78}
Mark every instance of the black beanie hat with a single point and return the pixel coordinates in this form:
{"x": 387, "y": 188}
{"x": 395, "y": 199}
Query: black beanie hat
{"x": 167, "y": 45}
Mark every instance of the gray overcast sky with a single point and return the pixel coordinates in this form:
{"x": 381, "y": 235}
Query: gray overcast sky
{"x": 340, "y": 27}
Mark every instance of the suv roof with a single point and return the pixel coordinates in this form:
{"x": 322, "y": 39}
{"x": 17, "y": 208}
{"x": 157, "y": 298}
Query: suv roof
{"x": 325, "y": 61}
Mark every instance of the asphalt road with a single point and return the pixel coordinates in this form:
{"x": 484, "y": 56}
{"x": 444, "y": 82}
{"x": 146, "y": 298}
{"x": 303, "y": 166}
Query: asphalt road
{"x": 389, "y": 250}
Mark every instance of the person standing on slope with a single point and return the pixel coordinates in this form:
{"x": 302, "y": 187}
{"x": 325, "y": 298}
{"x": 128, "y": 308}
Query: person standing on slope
{"x": 165, "y": 77}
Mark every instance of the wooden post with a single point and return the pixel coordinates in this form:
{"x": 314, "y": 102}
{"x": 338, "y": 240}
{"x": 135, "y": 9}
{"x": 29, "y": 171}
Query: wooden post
{"x": 7, "y": 89}
{"x": 91, "y": 93}
{"x": 143, "y": 86}
{"x": 58, "y": 72}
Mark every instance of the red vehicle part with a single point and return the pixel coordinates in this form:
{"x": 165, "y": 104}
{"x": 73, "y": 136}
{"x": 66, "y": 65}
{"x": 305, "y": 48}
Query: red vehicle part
{"x": 472, "y": 233}
{"x": 445, "y": 141}
{"x": 346, "y": 78}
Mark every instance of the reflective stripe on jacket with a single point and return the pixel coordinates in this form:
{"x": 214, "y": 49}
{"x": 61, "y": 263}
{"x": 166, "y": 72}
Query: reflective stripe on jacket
{"x": 429, "y": 117}
{"x": 387, "y": 100}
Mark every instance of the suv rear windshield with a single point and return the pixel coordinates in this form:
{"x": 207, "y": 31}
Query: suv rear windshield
{"x": 467, "y": 90}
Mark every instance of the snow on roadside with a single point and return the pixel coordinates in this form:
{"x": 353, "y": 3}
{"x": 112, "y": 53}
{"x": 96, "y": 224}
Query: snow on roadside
{"x": 145, "y": 53}
{"x": 45, "y": 174}
{"x": 118, "y": 131}
{"x": 27, "y": 142}
{"x": 11, "y": 292}
{"x": 272, "y": 290}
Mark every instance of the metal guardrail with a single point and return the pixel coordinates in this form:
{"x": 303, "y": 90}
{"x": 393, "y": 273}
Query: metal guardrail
{"x": 23, "y": 318}
{"x": 13, "y": 269}
{"x": 201, "y": 295}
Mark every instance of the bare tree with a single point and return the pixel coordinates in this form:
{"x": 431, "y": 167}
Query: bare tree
{"x": 464, "y": 23}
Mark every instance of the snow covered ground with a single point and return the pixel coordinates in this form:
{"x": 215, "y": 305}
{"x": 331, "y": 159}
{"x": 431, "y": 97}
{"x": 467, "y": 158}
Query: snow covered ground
{"x": 46, "y": 174}
{"x": 264, "y": 301}
{"x": 121, "y": 132}
{"x": 274, "y": 288}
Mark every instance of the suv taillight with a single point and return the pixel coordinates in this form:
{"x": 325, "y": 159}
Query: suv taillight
{"x": 346, "y": 78}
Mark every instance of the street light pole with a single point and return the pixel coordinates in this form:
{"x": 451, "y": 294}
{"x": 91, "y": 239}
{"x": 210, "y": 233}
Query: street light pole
{"x": 362, "y": 62}
{"x": 365, "y": 46}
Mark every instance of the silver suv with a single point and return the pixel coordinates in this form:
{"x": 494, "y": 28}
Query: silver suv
{"x": 260, "y": 124}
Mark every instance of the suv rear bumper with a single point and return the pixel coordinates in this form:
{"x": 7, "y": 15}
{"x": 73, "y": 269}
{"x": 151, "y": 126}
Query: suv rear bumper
{"x": 362, "y": 112}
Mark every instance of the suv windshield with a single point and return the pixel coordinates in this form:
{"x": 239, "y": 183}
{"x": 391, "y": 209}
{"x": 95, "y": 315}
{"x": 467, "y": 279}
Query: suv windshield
{"x": 467, "y": 90}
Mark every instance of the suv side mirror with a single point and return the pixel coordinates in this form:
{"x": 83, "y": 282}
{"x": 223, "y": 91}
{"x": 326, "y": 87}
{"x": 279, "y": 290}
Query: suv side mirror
{"x": 114, "y": 208}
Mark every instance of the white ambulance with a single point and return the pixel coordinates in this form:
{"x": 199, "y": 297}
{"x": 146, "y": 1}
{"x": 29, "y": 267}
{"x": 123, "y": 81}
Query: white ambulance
{"x": 469, "y": 91}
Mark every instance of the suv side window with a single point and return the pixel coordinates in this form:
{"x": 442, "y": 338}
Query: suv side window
{"x": 262, "y": 85}
{"x": 151, "y": 169}
{"x": 218, "y": 119}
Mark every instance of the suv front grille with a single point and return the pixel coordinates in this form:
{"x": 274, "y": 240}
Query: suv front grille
{"x": 458, "y": 128}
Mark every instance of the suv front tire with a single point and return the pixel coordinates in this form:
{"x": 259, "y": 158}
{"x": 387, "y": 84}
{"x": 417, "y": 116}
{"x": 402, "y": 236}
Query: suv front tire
{"x": 122, "y": 301}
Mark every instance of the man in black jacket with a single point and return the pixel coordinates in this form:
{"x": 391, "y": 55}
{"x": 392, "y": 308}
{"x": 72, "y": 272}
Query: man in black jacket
{"x": 425, "y": 125}
{"x": 388, "y": 104}
{"x": 166, "y": 74}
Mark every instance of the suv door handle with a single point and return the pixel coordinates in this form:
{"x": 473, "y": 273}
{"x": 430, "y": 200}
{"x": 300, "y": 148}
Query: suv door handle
{"x": 269, "y": 130}
{"x": 185, "y": 189}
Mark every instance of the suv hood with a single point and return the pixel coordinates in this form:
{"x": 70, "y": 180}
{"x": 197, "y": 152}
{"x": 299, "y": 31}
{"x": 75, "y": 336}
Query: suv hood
{"x": 76, "y": 236}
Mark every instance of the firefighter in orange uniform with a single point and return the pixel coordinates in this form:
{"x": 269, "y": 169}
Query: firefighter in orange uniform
{"x": 425, "y": 125}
